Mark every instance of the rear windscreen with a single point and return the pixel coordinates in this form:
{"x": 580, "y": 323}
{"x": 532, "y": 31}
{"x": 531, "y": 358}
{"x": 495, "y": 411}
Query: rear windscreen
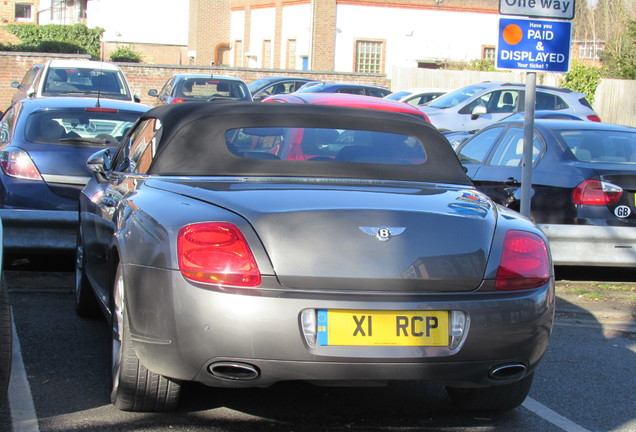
{"x": 75, "y": 81}
{"x": 601, "y": 146}
{"x": 52, "y": 127}
{"x": 208, "y": 88}
{"x": 325, "y": 145}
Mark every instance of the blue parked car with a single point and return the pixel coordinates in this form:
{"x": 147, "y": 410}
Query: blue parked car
{"x": 44, "y": 145}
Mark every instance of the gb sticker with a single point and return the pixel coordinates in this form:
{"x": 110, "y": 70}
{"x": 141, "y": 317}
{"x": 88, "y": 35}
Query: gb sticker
{"x": 622, "y": 211}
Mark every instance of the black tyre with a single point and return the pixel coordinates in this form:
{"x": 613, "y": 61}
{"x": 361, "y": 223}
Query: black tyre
{"x": 85, "y": 302}
{"x": 5, "y": 342}
{"x": 494, "y": 398}
{"x": 135, "y": 388}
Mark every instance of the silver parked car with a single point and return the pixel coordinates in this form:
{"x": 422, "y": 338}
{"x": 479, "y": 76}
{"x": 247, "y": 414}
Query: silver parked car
{"x": 239, "y": 245}
{"x": 476, "y": 106}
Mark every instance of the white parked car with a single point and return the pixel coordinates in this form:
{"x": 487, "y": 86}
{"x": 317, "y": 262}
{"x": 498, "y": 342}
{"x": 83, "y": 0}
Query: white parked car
{"x": 74, "y": 78}
{"x": 476, "y": 106}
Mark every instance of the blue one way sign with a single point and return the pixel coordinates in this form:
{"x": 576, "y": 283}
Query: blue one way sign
{"x": 534, "y": 45}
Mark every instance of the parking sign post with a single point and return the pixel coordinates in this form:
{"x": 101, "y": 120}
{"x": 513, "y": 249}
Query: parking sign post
{"x": 528, "y": 138}
{"x": 533, "y": 45}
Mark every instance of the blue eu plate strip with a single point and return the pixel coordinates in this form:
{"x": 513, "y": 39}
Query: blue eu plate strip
{"x": 323, "y": 319}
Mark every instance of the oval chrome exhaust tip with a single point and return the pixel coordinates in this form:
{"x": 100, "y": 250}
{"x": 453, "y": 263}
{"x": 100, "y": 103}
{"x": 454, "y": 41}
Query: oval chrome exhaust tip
{"x": 234, "y": 371}
{"x": 508, "y": 371}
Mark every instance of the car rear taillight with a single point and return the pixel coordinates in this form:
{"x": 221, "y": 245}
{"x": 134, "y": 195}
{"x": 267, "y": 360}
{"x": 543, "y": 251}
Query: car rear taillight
{"x": 217, "y": 253}
{"x": 177, "y": 100}
{"x": 596, "y": 192}
{"x": 525, "y": 262}
{"x": 594, "y": 118}
{"x": 18, "y": 164}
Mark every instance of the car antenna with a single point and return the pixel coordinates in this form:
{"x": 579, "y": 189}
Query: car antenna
{"x": 99, "y": 83}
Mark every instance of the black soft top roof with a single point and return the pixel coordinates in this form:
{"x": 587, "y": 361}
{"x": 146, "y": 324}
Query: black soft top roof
{"x": 192, "y": 142}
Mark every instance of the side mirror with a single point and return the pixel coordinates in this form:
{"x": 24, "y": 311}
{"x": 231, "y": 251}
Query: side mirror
{"x": 100, "y": 165}
{"x": 477, "y": 111}
{"x": 152, "y": 92}
{"x": 15, "y": 84}
{"x": 136, "y": 98}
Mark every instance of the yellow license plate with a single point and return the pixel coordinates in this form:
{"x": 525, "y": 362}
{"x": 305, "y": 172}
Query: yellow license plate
{"x": 382, "y": 328}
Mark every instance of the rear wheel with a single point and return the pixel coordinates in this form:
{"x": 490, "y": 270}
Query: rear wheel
{"x": 85, "y": 301}
{"x": 494, "y": 398}
{"x": 135, "y": 388}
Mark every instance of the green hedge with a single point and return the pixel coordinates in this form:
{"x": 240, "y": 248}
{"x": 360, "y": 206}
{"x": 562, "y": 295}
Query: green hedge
{"x": 583, "y": 79}
{"x": 55, "y": 38}
{"x": 126, "y": 54}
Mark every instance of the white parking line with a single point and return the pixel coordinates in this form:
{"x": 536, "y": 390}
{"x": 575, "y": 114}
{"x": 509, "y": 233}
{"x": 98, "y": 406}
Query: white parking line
{"x": 551, "y": 416}
{"x": 23, "y": 415}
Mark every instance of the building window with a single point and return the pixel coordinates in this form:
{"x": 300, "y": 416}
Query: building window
{"x": 291, "y": 54}
{"x": 590, "y": 51}
{"x": 238, "y": 53}
{"x": 369, "y": 56}
{"x": 267, "y": 54}
{"x": 23, "y": 11}
{"x": 488, "y": 53}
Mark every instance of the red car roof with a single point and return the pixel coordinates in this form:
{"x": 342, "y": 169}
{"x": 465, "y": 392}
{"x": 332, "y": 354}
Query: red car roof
{"x": 348, "y": 100}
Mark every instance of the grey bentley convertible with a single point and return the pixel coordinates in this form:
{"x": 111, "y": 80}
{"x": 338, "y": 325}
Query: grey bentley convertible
{"x": 239, "y": 245}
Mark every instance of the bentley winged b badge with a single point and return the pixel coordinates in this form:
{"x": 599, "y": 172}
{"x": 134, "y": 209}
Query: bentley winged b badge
{"x": 383, "y": 233}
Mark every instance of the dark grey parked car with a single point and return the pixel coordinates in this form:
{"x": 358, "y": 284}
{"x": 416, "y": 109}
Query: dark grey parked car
{"x": 221, "y": 255}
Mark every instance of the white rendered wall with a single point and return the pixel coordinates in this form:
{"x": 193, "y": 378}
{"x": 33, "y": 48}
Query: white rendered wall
{"x": 296, "y": 25}
{"x": 412, "y": 34}
{"x": 237, "y": 32}
{"x": 262, "y": 29}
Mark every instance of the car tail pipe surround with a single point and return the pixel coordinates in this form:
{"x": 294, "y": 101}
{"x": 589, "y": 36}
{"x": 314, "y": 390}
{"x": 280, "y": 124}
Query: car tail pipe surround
{"x": 508, "y": 371}
{"x": 234, "y": 370}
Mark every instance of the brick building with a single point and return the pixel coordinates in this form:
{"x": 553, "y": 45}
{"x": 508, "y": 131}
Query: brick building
{"x": 17, "y": 11}
{"x": 326, "y": 35}
{"x": 368, "y": 36}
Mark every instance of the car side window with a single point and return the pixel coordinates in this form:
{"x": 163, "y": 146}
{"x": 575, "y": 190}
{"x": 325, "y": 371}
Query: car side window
{"x": 29, "y": 77}
{"x": 477, "y": 149}
{"x": 497, "y": 101}
{"x": 548, "y": 101}
{"x": 296, "y": 85}
{"x": 376, "y": 93}
{"x": 143, "y": 145}
{"x": 509, "y": 152}
{"x": 351, "y": 90}
{"x": 139, "y": 150}
{"x": 6, "y": 125}
{"x": 166, "y": 90}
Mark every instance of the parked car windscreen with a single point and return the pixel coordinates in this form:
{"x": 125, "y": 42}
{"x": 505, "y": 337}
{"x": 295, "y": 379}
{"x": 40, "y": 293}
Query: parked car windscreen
{"x": 600, "y": 146}
{"x": 50, "y": 127}
{"x": 453, "y": 98}
{"x": 205, "y": 88}
{"x": 74, "y": 80}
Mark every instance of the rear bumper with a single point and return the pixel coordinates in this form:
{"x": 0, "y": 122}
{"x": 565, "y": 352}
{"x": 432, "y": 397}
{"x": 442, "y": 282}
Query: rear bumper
{"x": 182, "y": 331}
{"x": 41, "y": 230}
{"x": 585, "y": 245}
